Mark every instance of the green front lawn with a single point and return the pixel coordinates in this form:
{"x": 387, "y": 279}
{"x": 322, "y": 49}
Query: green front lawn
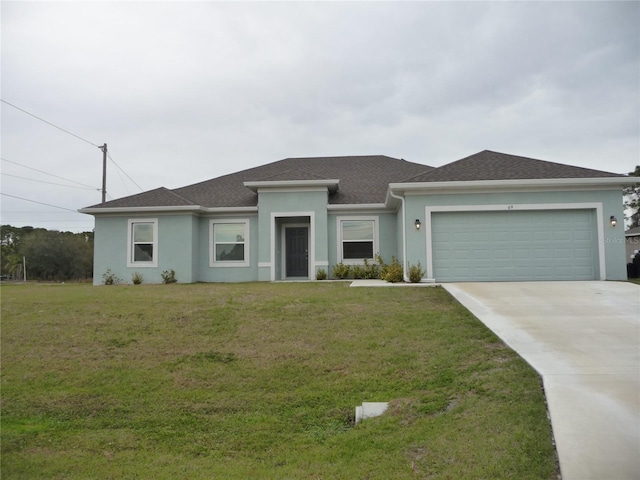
{"x": 260, "y": 381}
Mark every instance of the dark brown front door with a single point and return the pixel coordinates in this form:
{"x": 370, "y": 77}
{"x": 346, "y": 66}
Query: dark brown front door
{"x": 297, "y": 254}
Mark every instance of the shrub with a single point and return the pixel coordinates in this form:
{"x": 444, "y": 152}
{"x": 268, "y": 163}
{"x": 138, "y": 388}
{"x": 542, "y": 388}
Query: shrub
{"x": 415, "y": 273}
{"x": 110, "y": 278}
{"x": 169, "y": 276}
{"x": 340, "y": 270}
{"x": 321, "y": 274}
{"x": 357, "y": 271}
{"x": 371, "y": 270}
{"x": 137, "y": 278}
{"x": 391, "y": 272}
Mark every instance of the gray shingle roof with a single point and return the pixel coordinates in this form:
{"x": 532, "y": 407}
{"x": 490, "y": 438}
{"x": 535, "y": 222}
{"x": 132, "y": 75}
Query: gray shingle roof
{"x": 488, "y": 165}
{"x": 160, "y": 197}
{"x": 363, "y": 179}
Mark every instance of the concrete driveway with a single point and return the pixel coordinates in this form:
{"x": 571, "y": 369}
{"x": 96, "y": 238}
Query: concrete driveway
{"x": 584, "y": 340}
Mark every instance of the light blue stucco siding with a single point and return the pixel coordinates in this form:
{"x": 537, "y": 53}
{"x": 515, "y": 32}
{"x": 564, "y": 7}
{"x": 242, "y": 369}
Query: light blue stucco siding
{"x": 175, "y": 247}
{"x": 280, "y": 208}
{"x": 208, "y": 272}
{"x": 603, "y": 203}
{"x": 388, "y": 229}
{"x": 110, "y": 248}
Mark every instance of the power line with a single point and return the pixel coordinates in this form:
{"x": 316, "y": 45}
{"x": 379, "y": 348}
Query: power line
{"x": 34, "y": 201}
{"x": 141, "y": 189}
{"x": 50, "y": 174}
{"x": 35, "y": 212}
{"x": 123, "y": 182}
{"x": 49, "y": 183}
{"x": 49, "y": 123}
{"x": 101, "y": 147}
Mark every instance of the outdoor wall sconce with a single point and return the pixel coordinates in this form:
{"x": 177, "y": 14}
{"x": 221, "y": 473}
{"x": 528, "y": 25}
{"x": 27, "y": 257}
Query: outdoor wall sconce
{"x": 613, "y": 221}
{"x": 417, "y": 224}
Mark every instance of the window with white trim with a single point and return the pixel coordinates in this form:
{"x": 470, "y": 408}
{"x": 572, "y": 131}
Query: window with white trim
{"x": 229, "y": 243}
{"x": 358, "y": 238}
{"x": 142, "y": 240}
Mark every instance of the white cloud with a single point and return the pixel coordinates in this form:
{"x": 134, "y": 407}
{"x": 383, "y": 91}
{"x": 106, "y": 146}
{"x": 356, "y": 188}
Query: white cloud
{"x": 186, "y": 91}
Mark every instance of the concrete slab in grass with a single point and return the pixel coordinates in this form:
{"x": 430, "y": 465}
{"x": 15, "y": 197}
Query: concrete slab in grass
{"x": 370, "y": 409}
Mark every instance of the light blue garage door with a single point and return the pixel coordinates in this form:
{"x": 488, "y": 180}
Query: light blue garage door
{"x": 515, "y": 245}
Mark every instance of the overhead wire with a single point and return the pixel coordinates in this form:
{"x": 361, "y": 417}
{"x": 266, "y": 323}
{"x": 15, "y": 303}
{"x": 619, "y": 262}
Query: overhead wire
{"x": 126, "y": 174}
{"x": 48, "y": 183}
{"x": 101, "y": 147}
{"x": 122, "y": 179}
{"x": 49, "y": 123}
{"x": 35, "y": 201}
{"x": 50, "y": 174}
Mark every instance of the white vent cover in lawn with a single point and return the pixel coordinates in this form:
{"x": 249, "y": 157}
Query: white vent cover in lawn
{"x": 370, "y": 409}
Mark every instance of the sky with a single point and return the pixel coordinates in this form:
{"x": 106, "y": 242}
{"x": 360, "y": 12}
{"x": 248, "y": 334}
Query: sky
{"x": 182, "y": 92}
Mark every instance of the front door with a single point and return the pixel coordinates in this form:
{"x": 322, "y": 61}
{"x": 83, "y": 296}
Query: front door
{"x": 297, "y": 251}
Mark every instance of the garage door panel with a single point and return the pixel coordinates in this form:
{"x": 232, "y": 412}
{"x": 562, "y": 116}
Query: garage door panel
{"x": 563, "y": 235}
{"x": 582, "y": 254}
{"x": 582, "y": 235}
{"x": 542, "y": 236}
{"x": 502, "y": 253}
{"x": 560, "y": 254}
{"x": 514, "y": 245}
{"x": 483, "y": 254}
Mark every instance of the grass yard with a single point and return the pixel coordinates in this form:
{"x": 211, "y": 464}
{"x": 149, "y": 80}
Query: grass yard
{"x": 260, "y": 381}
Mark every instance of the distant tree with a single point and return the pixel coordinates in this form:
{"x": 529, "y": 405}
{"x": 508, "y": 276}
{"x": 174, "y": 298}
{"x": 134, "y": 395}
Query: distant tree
{"x": 50, "y": 255}
{"x": 14, "y": 266}
{"x": 632, "y": 199}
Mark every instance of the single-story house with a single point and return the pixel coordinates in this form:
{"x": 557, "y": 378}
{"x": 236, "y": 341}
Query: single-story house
{"x": 486, "y": 217}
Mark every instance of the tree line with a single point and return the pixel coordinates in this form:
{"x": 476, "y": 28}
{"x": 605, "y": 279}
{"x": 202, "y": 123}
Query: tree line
{"x": 632, "y": 199}
{"x": 49, "y": 254}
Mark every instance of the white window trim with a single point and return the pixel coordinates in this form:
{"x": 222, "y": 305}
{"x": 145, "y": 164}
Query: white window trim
{"x": 130, "y": 249}
{"x": 247, "y": 244}
{"x": 376, "y": 238}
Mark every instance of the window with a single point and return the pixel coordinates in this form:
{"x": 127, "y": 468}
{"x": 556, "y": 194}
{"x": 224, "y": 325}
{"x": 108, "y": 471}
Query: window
{"x": 142, "y": 243}
{"x": 229, "y": 245}
{"x": 358, "y": 238}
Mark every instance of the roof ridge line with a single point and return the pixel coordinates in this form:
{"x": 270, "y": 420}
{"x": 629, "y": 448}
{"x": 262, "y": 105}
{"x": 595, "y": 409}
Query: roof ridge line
{"x": 181, "y": 197}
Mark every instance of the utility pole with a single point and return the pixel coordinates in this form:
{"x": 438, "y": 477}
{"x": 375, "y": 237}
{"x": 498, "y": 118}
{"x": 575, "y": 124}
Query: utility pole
{"x": 104, "y": 172}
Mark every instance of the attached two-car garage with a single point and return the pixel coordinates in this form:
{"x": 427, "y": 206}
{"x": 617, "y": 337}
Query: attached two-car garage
{"x": 514, "y": 245}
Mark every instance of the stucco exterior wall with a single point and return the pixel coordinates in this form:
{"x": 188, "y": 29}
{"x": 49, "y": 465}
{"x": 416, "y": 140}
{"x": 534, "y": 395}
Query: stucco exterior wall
{"x": 184, "y": 240}
{"x": 175, "y": 248}
{"x": 388, "y": 228}
{"x": 610, "y": 200}
{"x": 277, "y": 208}
{"x": 225, "y": 273}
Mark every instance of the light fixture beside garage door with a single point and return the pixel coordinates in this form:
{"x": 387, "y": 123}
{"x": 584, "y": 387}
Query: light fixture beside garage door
{"x": 417, "y": 224}
{"x": 613, "y": 221}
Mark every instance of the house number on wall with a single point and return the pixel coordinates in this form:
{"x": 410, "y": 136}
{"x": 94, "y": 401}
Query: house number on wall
{"x": 509, "y": 207}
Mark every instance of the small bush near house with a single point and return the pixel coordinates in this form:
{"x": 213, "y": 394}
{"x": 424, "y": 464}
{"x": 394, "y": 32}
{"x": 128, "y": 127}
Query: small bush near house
{"x": 169, "y": 276}
{"x": 341, "y": 271}
{"x": 321, "y": 274}
{"x": 391, "y": 272}
{"x": 415, "y": 273}
{"x": 371, "y": 270}
{"x": 357, "y": 272}
{"x": 137, "y": 278}
{"x": 110, "y": 278}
